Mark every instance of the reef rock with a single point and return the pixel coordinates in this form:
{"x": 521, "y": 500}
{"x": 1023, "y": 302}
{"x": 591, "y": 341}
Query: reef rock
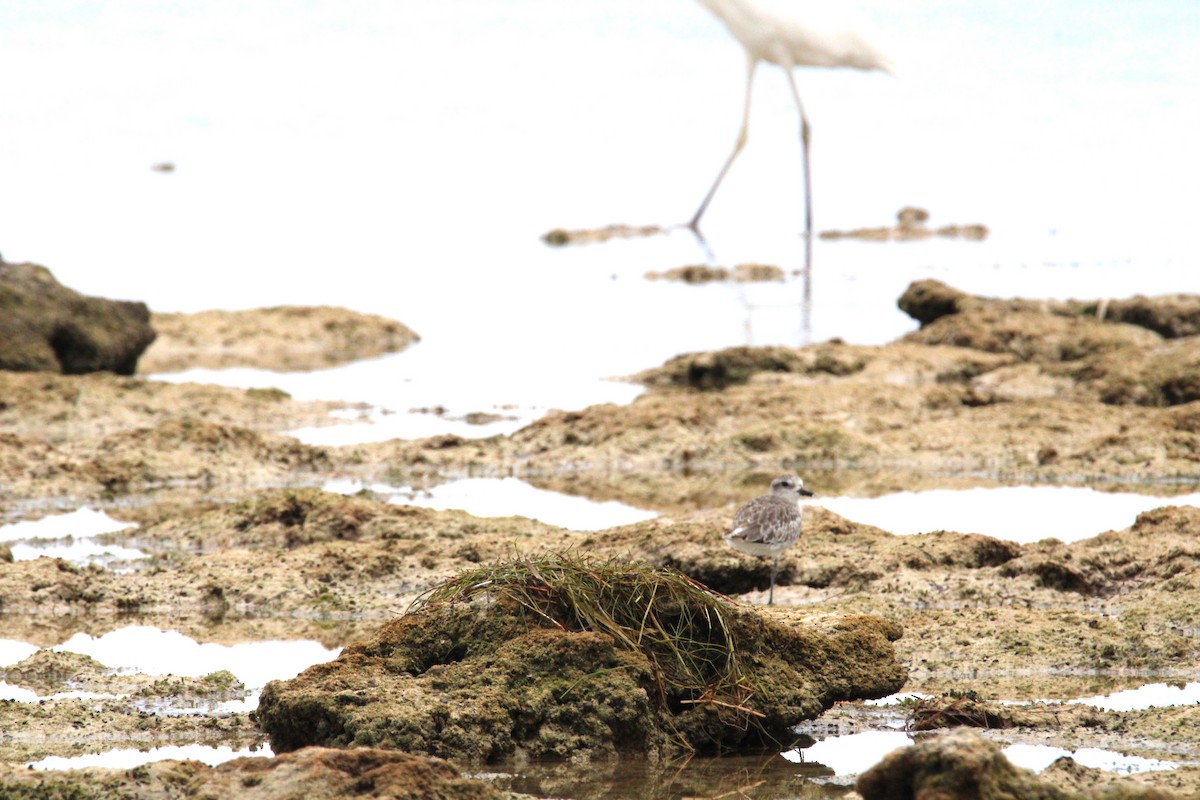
{"x": 555, "y": 656}
{"x": 44, "y": 326}
{"x": 964, "y": 765}
{"x": 313, "y": 773}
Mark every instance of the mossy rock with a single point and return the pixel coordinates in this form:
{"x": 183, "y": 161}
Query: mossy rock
{"x": 736, "y": 365}
{"x": 1032, "y": 335}
{"x": 1163, "y": 376}
{"x": 312, "y": 773}
{"x": 964, "y": 765}
{"x": 47, "y": 327}
{"x": 49, "y": 671}
{"x": 557, "y": 656}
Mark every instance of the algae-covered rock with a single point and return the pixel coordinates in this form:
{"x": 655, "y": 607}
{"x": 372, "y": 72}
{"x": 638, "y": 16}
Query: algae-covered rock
{"x": 48, "y": 671}
{"x": 736, "y": 365}
{"x": 276, "y": 338}
{"x": 313, "y": 773}
{"x": 1168, "y": 375}
{"x": 928, "y": 300}
{"x": 1032, "y": 335}
{"x": 44, "y": 326}
{"x": 558, "y": 656}
{"x": 1172, "y": 316}
{"x": 963, "y": 765}
{"x": 191, "y": 450}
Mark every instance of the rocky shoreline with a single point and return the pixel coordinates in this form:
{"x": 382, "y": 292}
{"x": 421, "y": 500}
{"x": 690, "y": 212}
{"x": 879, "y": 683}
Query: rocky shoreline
{"x": 245, "y": 546}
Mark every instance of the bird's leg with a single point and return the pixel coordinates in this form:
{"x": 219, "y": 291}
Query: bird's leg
{"x": 751, "y": 66}
{"x": 805, "y": 132}
{"x": 774, "y": 570}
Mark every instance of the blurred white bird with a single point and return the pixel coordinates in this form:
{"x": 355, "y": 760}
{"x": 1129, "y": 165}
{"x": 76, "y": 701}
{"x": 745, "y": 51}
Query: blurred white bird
{"x": 791, "y": 33}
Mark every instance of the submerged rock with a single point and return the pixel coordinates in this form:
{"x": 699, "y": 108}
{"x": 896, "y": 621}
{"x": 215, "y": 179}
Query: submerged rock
{"x": 44, "y": 326}
{"x": 910, "y": 226}
{"x": 556, "y": 656}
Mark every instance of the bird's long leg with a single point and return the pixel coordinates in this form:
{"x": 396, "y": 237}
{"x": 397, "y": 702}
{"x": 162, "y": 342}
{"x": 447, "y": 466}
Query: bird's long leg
{"x": 751, "y": 66}
{"x": 774, "y": 570}
{"x": 808, "y": 211}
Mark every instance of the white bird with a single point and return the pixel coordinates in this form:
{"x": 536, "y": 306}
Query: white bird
{"x": 791, "y": 33}
{"x": 770, "y": 524}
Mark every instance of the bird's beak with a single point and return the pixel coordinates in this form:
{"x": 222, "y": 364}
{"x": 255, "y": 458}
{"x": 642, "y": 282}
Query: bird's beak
{"x": 804, "y": 493}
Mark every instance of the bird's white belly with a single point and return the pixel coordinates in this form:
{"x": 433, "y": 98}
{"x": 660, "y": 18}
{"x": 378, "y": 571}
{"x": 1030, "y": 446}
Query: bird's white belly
{"x": 755, "y": 548}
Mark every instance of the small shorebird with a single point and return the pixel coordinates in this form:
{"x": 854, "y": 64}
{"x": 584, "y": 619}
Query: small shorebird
{"x": 770, "y": 524}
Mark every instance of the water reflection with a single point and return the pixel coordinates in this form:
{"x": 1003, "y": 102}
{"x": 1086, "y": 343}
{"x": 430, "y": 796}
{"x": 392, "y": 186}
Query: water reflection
{"x": 1038, "y": 757}
{"x": 69, "y": 536}
{"x": 506, "y": 497}
{"x": 79, "y": 523}
{"x": 760, "y": 776}
{"x": 822, "y": 770}
{"x": 1017, "y": 513}
{"x": 851, "y": 754}
{"x": 13, "y": 651}
{"x": 128, "y": 758}
{"x": 153, "y": 651}
{"x": 1151, "y": 695}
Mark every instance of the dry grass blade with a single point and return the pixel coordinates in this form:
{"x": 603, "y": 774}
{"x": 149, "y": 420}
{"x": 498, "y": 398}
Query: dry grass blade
{"x": 678, "y": 624}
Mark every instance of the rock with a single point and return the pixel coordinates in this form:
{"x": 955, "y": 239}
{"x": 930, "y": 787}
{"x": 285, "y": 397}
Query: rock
{"x": 558, "y": 657}
{"x": 964, "y": 765}
{"x": 910, "y": 226}
{"x": 561, "y": 236}
{"x": 1172, "y": 315}
{"x": 194, "y": 451}
{"x": 694, "y": 545}
{"x": 961, "y": 765}
{"x": 1018, "y": 383}
{"x": 692, "y": 273}
{"x": 736, "y": 365}
{"x": 1167, "y": 375}
{"x": 277, "y": 338}
{"x": 48, "y": 671}
{"x": 45, "y": 326}
{"x": 928, "y": 300}
{"x": 314, "y": 773}
{"x": 703, "y": 273}
{"x": 755, "y": 273}
{"x": 1031, "y": 335}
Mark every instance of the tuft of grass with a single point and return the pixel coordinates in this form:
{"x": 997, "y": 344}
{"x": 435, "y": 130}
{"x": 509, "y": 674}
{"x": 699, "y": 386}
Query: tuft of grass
{"x": 682, "y": 627}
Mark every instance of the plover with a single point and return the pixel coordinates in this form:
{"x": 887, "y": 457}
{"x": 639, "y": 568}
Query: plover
{"x": 768, "y": 525}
